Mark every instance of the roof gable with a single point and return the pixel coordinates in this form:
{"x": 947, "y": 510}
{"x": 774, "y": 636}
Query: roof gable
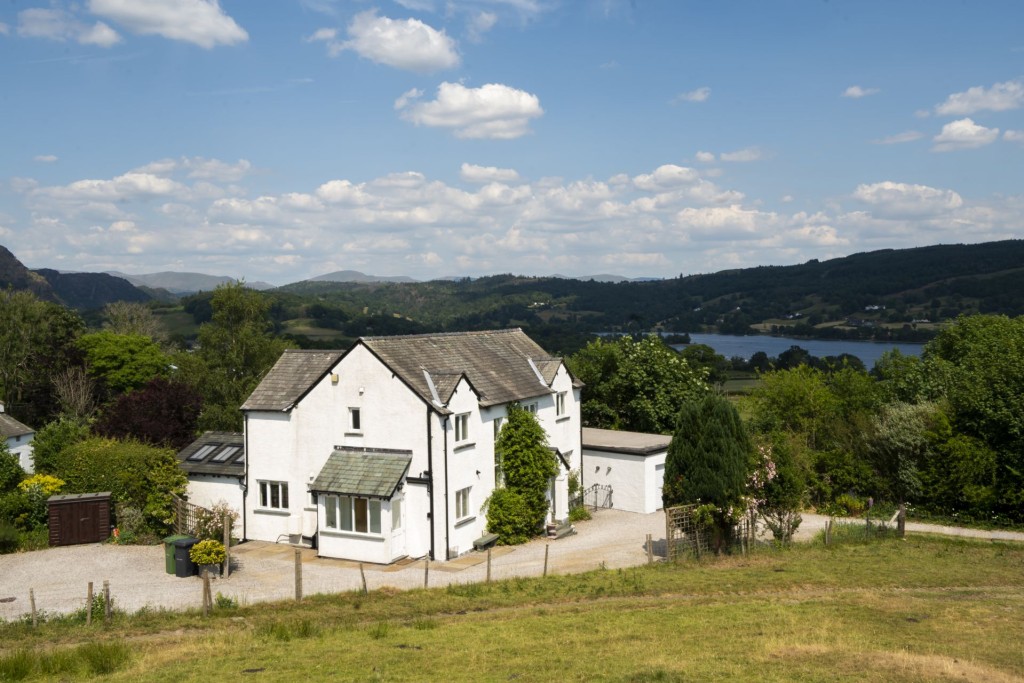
{"x": 10, "y": 427}
{"x": 293, "y": 375}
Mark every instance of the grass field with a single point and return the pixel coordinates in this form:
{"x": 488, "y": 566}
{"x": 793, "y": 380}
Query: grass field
{"x": 922, "y": 609}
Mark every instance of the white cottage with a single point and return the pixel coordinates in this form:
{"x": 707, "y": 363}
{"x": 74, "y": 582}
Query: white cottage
{"x": 215, "y": 465}
{"x": 386, "y": 450}
{"x": 631, "y": 463}
{"x": 18, "y": 438}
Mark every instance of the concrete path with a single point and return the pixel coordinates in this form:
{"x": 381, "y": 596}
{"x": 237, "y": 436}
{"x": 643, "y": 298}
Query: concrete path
{"x": 265, "y": 572}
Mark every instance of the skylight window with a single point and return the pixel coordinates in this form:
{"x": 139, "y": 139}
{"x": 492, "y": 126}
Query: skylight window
{"x": 225, "y": 454}
{"x": 203, "y": 452}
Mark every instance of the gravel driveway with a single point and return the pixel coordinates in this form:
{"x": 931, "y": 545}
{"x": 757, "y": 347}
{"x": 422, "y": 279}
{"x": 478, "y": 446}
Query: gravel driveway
{"x": 59, "y": 576}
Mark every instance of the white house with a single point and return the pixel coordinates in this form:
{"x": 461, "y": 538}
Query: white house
{"x": 386, "y": 450}
{"x": 215, "y": 465}
{"x": 632, "y": 463}
{"x": 18, "y": 438}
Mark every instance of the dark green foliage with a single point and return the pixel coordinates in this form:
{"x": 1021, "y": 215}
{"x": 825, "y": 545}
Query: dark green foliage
{"x": 709, "y": 458}
{"x": 162, "y": 413}
{"x": 52, "y": 439}
{"x": 10, "y": 470}
{"x": 780, "y": 489}
{"x": 15, "y": 508}
{"x": 8, "y": 537}
{"x": 635, "y": 385}
{"x": 516, "y": 512}
{"x": 137, "y": 475}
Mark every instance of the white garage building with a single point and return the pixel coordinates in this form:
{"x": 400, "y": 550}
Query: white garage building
{"x": 632, "y": 463}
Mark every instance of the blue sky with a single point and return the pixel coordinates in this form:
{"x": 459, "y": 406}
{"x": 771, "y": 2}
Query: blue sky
{"x": 281, "y": 140}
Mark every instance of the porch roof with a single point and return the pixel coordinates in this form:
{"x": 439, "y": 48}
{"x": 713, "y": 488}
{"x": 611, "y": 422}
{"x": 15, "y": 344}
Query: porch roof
{"x": 368, "y": 472}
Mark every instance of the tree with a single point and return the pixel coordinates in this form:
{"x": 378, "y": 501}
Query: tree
{"x": 123, "y": 362}
{"x": 162, "y": 413}
{"x": 235, "y": 350}
{"x": 709, "y": 462}
{"x": 53, "y": 438}
{"x": 778, "y": 487}
{"x": 527, "y": 464}
{"x": 635, "y": 385}
{"x": 132, "y": 317}
{"x": 75, "y": 392}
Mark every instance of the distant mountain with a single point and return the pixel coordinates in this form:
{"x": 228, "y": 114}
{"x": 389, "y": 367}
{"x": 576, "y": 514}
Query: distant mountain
{"x": 356, "y": 276}
{"x": 14, "y": 275}
{"x": 87, "y": 291}
{"x": 184, "y": 283}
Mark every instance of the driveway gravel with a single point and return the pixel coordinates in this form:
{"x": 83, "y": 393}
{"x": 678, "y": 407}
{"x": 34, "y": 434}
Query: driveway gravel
{"x": 265, "y": 571}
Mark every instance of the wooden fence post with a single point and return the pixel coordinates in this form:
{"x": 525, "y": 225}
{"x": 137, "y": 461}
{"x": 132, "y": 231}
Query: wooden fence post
{"x": 88, "y": 607}
{"x": 488, "y": 565}
{"x": 107, "y": 608}
{"x": 669, "y": 550}
{"x": 362, "y": 575}
{"x": 227, "y": 545}
{"x": 32, "y": 604}
{"x": 207, "y": 598}
{"x": 901, "y": 520}
{"x": 650, "y": 550}
{"x": 547, "y": 547}
{"x": 298, "y": 575}
{"x": 426, "y": 571}
{"x": 828, "y": 531}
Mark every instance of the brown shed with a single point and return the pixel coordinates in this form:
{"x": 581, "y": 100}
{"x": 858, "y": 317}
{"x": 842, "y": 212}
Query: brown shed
{"x": 79, "y": 518}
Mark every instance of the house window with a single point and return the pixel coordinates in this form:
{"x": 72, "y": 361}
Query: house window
{"x": 560, "y": 404}
{"x": 498, "y": 422}
{"x": 396, "y": 514}
{"x": 351, "y": 513}
{"x": 355, "y": 420}
{"x": 530, "y": 407}
{"x": 462, "y": 503}
{"x": 274, "y": 495}
{"x": 462, "y": 428}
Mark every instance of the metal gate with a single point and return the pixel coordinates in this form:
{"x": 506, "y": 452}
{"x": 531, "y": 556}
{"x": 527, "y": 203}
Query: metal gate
{"x": 597, "y": 496}
{"x": 80, "y": 518}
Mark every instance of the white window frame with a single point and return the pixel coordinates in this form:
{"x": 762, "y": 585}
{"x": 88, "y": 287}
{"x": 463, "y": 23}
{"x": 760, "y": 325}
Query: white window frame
{"x": 462, "y": 503}
{"x": 499, "y": 422}
{"x": 560, "y": 404}
{"x": 268, "y": 491}
{"x": 355, "y": 419}
{"x": 396, "y": 514}
{"x": 461, "y": 425}
{"x": 343, "y": 512}
{"x": 530, "y": 407}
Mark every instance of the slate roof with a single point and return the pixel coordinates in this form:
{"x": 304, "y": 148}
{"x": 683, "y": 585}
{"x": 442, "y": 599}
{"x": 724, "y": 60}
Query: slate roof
{"x": 10, "y": 427}
{"x": 631, "y": 443}
{"x": 295, "y": 372}
{"x": 367, "y": 472}
{"x": 213, "y": 446}
{"x": 502, "y": 365}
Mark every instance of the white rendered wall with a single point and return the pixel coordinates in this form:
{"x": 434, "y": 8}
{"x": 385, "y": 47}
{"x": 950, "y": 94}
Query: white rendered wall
{"x": 635, "y": 479}
{"x": 207, "y": 490}
{"x": 21, "y": 446}
{"x": 376, "y": 548}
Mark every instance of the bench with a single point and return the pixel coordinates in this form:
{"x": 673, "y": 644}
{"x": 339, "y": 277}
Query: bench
{"x": 485, "y": 541}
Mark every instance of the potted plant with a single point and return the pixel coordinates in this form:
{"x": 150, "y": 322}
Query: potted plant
{"x": 209, "y": 555}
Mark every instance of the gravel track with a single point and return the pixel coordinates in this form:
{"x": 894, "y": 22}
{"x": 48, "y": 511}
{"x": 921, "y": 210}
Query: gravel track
{"x": 265, "y": 572}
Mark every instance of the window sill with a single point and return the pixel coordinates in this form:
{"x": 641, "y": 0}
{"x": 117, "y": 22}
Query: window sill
{"x": 463, "y": 522}
{"x": 354, "y": 433}
{"x": 464, "y": 446}
{"x": 352, "y": 534}
{"x": 273, "y": 511}
{"x": 563, "y": 418}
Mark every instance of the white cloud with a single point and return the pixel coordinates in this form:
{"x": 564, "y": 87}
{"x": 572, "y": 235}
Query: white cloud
{"x": 1014, "y": 136}
{"x": 722, "y": 222}
{"x": 741, "y": 155}
{"x": 1000, "y": 97}
{"x": 963, "y": 134}
{"x": 45, "y": 158}
{"x": 201, "y": 22}
{"x": 131, "y": 185}
{"x": 493, "y": 111}
{"x": 487, "y": 174}
{"x": 406, "y": 44}
{"x": 666, "y": 177}
{"x": 480, "y": 24}
{"x": 56, "y": 24}
{"x": 698, "y": 95}
{"x": 856, "y": 92}
{"x": 215, "y": 169}
{"x": 705, "y": 157}
{"x": 899, "y": 138}
{"x": 901, "y": 199}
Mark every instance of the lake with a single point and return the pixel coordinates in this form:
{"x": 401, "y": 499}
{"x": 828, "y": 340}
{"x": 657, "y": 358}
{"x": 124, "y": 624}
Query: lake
{"x": 733, "y": 345}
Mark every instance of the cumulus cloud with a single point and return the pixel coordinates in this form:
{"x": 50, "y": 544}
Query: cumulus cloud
{"x": 45, "y": 158}
{"x": 1000, "y": 97}
{"x": 201, "y": 22}
{"x": 899, "y": 138}
{"x": 856, "y": 92}
{"x": 480, "y": 24}
{"x": 487, "y": 174}
{"x": 902, "y": 199}
{"x": 1014, "y": 135}
{"x": 406, "y": 44}
{"x": 963, "y": 134}
{"x": 698, "y": 95}
{"x": 56, "y": 24}
{"x": 741, "y": 155}
{"x": 493, "y": 111}
{"x": 705, "y": 157}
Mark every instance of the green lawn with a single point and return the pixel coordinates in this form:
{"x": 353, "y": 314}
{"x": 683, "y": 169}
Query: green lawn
{"x": 923, "y": 609}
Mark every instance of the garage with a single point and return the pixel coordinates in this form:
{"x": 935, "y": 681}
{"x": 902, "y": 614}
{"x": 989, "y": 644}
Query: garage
{"x": 632, "y": 463}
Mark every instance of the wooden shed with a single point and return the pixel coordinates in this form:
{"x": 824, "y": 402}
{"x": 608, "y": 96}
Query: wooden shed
{"x": 79, "y": 518}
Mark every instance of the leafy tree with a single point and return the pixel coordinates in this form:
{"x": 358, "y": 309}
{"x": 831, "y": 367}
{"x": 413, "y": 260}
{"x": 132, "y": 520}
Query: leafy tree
{"x": 709, "y": 461}
{"x": 132, "y": 317}
{"x": 235, "y": 350}
{"x": 703, "y": 356}
{"x": 900, "y": 445}
{"x": 10, "y": 469}
{"x": 635, "y": 385}
{"x": 527, "y": 466}
{"x": 162, "y": 413}
{"x": 123, "y": 362}
{"x": 51, "y": 440}
{"x": 778, "y": 486}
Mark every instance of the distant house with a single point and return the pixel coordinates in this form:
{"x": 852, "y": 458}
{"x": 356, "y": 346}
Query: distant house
{"x": 386, "y": 450}
{"x": 215, "y": 466}
{"x": 18, "y": 438}
{"x": 631, "y": 463}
